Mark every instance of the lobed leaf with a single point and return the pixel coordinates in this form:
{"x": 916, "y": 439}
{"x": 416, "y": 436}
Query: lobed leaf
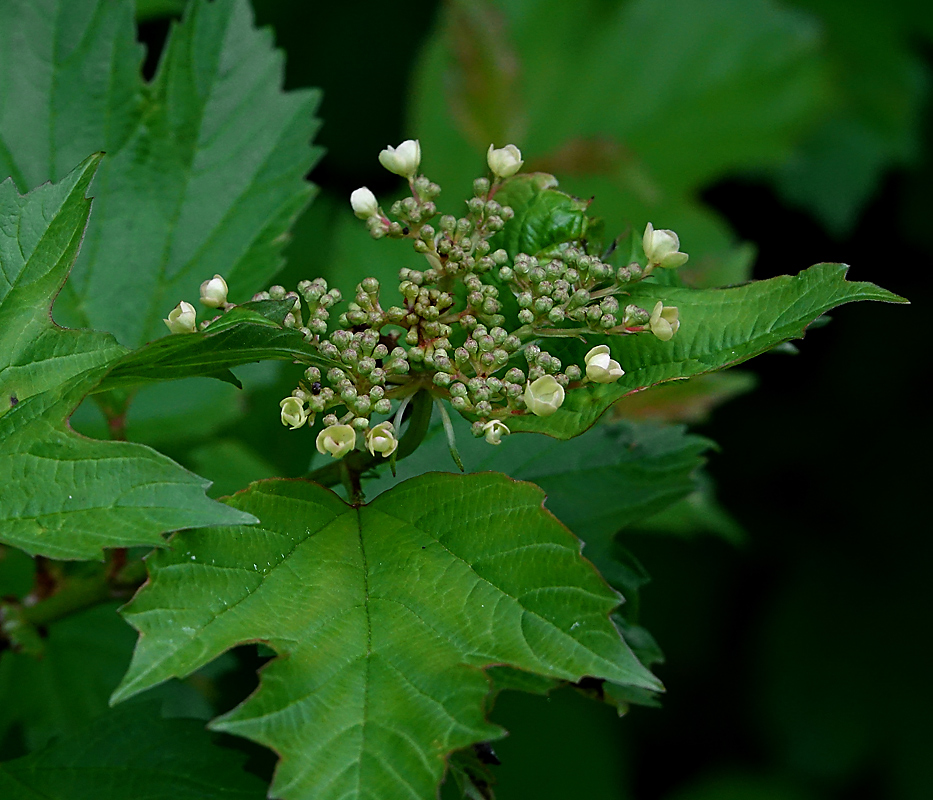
{"x": 384, "y": 617}
{"x": 205, "y": 167}
{"x": 629, "y": 471}
{"x": 65, "y": 496}
{"x": 40, "y": 234}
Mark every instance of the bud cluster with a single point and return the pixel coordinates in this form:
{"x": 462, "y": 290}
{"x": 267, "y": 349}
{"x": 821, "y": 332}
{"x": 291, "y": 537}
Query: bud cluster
{"x": 449, "y": 333}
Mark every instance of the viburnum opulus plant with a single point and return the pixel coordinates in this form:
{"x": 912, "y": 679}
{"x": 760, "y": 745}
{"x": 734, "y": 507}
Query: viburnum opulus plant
{"x": 449, "y": 337}
{"x": 391, "y": 614}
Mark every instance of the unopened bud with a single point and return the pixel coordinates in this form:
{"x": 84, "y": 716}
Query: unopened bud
{"x": 182, "y": 318}
{"x": 214, "y": 292}
{"x": 505, "y": 161}
{"x": 600, "y": 368}
{"x": 364, "y": 203}
{"x": 403, "y": 160}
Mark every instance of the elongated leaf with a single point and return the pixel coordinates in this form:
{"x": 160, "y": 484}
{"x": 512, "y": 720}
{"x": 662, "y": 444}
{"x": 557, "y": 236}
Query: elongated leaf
{"x": 718, "y": 328}
{"x": 385, "y": 615}
{"x": 205, "y": 165}
{"x": 65, "y": 496}
{"x": 246, "y": 334}
{"x": 130, "y": 752}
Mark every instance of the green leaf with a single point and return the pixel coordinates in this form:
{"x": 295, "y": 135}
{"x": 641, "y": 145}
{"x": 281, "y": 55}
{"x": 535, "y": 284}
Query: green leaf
{"x": 84, "y": 656}
{"x": 205, "y": 165}
{"x": 545, "y": 217}
{"x": 630, "y": 471}
{"x": 155, "y": 9}
{"x": 40, "y": 234}
{"x": 246, "y": 334}
{"x": 130, "y": 752}
{"x": 719, "y": 328}
{"x": 69, "y": 497}
{"x": 384, "y": 617}
{"x": 65, "y": 496}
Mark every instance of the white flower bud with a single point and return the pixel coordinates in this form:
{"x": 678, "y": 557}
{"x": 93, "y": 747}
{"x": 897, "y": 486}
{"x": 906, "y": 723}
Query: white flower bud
{"x": 544, "y": 396}
{"x": 505, "y": 161}
{"x": 381, "y": 438}
{"x": 664, "y": 321}
{"x": 494, "y": 430}
{"x": 402, "y": 160}
{"x": 182, "y": 319}
{"x": 214, "y": 292}
{"x": 364, "y": 203}
{"x": 293, "y": 413}
{"x": 336, "y": 440}
{"x": 662, "y": 248}
{"x": 600, "y": 368}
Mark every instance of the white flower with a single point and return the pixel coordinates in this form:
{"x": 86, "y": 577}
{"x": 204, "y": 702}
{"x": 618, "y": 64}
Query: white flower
{"x": 182, "y": 319}
{"x": 402, "y": 160}
{"x": 505, "y": 161}
{"x": 364, "y": 203}
{"x": 381, "y": 439}
{"x": 664, "y": 321}
{"x": 600, "y": 368}
{"x": 494, "y": 430}
{"x": 293, "y": 412}
{"x": 214, "y": 292}
{"x": 544, "y": 396}
{"x": 662, "y": 248}
{"x": 336, "y": 440}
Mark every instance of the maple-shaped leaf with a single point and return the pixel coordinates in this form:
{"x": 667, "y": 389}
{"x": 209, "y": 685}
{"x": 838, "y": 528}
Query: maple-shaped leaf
{"x": 384, "y": 616}
{"x": 66, "y": 496}
{"x": 206, "y": 164}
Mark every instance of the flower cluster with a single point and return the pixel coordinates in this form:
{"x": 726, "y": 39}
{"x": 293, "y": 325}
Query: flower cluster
{"x": 449, "y": 333}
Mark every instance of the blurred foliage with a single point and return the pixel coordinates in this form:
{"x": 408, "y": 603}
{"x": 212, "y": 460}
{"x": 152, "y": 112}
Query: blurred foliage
{"x": 770, "y": 134}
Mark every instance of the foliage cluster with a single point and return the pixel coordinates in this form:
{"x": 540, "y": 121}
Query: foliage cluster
{"x": 388, "y": 627}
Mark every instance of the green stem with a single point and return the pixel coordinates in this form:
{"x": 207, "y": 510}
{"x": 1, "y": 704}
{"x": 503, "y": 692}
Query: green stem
{"x": 421, "y": 406}
{"x": 20, "y": 623}
{"x": 79, "y": 593}
{"x": 451, "y": 438}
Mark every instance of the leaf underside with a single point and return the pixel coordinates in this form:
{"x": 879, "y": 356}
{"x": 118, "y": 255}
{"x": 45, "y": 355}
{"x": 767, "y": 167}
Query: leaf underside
{"x": 384, "y": 617}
